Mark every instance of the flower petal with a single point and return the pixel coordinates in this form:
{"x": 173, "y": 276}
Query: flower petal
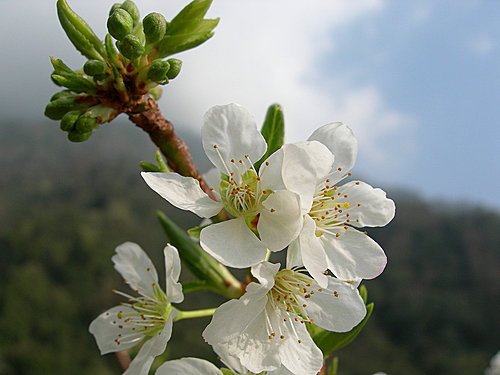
{"x": 300, "y": 357}
{"x": 353, "y": 255}
{"x": 311, "y": 251}
{"x": 245, "y": 337}
{"x": 368, "y": 206}
{"x": 232, "y": 243}
{"x": 340, "y": 140}
{"x": 112, "y": 333}
{"x": 230, "y": 132}
{"x": 264, "y": 272}
{"x": 281, "y": 220}
{"x": 152, "y": 348}
{"x": 188, "y": 366}
{"x": 136, "y": 268}
{"x": 182, "y": 192}
{"x": 173, "y": 288}
{"x": 337, "y": 308}
{"x": 304, "y": 165}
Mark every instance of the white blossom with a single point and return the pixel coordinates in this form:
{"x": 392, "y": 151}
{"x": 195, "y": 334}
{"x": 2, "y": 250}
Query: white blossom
{"x": 263, "y": 217}
{"x": 332, "y": 212}
{"x": 188, "y": 366}
{"x": 265, "y": 329}
{"x": 146, "y": 318}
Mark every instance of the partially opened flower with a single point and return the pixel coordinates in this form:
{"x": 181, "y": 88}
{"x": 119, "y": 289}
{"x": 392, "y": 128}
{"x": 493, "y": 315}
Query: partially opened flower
{"x": 146, "y": 318}
{"x": 265, "y": 329}
{"x": 329, "y": 238}
{"x": 263, "y": 218}
{"x": 188, "y": 366}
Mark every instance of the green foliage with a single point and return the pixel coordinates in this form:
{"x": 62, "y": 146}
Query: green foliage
{"x": 273, "y": 131}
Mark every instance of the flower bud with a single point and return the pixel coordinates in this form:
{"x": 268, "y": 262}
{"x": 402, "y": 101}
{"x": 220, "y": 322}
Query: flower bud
{"x": 154, "y": 25}
{"x": 94, "y": 68}
{"x": 56, "y": 109}
{"x": 175, "y": 68}
{"x": 114, "y": 7}
{"x": 132, "y": 9}
{"x": 120, "y": 23}
{"x": 131, "y": 47}
{"x": 69, "y": 119}
{"x": 158, "y": 70}
{"x": 85, "y": 124}
{"x": 75, "y": 136}
{"x": 60, "y": 94}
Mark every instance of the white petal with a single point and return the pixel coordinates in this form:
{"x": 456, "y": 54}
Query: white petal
{"x": 337, "y": 308}
{"x": 183, "y": 192}
{"x": 271, "y": 170}
{"x": 340, "y": 140}
{"x": 293, "y": 256}
{"x": 188, "y": 366}
{"x": 244, "y": 337}
{"x": 136, "y": 268}
{"x": 301, "y": 358}
{"x": 281, "y": 220}
{"x": 281, "y": 371}
{"x": 264, "y": 272}
{"x": 173, "y": 287}
{"x": 112, "y": 333}
{"x": 311, "y": 251}
{"x": 230, "y": 132}
{"x": 152, "y": 348}
{"x": 353, "y": 255}
{"x": 232, "y": 243}
{"x": 368, "y": 206}
{"x": 212, "y": 178}
{"x": 304, "y": 165}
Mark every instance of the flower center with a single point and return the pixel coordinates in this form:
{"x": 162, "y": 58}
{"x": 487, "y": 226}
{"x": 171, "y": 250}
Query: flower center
{"x": 330, "y": 210}
{"x": 149, "y": 316}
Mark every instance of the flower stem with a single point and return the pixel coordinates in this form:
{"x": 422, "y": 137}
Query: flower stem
{"x": 268, "y": 255}
{"x": 194, "y": 314}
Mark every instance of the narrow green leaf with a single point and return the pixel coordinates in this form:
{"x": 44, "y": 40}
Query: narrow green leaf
{"x": 74, "y": 83}
{"x": 79, "y": 32}
{"x": 194, "y": 232}
{"x": 187, "y": 18}
{"x": 226, "y": 371}
{"x": 273, "y": 131}
{"x": 329, "y": 342}
{"x": 202, "y": 265}
{"x": 194, "y": 286}
{"x": 363, "y": 292}
{"x": 60, "y": 67}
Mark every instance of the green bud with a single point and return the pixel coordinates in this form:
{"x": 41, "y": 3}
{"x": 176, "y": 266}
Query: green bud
{"x": 85, "y": 124}
{"x": 114, "y": 7}
{"x": 69, "y": 119}
{"x": 60, "y": 94}
{"x": 175, "y": 68}
{"x": 75, "y": 136}
{"x": 120, "y": 23}
{"x": 158, "y": 70}
{"x": 74, "y": 83}
{"x": 131, "y": 47}
{"x": 156, "y": 92}
{"x": 154, "y": 25}
{"x": 56, "y": 109}
{"x": 132, "y": 9}
{"x": 94, "y": 68}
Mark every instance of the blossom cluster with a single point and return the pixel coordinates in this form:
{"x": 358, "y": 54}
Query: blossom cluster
{"x": 294, "y": 201}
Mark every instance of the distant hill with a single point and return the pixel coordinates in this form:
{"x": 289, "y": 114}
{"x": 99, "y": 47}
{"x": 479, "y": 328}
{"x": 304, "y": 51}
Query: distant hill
{"x": 64, "y": 208}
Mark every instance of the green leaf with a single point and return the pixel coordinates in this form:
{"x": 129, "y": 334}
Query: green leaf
{"x": 329, "y": 342}
{"x": 194, "y": 232}
{"x": 202, "y": 265}
{"x": 226, "y": 371}
{"x": 79, "y": 32}
{"x": 74, "y": 83}
{"x": 273, "y": 131}
{"x": 188, "y": 29}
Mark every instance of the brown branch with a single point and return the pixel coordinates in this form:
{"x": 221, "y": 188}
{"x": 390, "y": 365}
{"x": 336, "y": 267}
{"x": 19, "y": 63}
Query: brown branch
{"x": 161, "y": 131}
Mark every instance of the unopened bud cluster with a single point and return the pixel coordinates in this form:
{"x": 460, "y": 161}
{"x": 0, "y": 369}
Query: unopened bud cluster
{"x": 124, "y": 70}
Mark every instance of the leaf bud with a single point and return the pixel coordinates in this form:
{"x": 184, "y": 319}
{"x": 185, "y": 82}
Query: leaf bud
{"x": 75, "y": 136}
{"x": 120, "y": 24}
{"x": 85, "y": 124}
{"x": 56, "y": 109}
{"x": 94, "y": 68}
{"x": 158, "y": 70}
{"x": 154, "y": 25}
{"x": 131, "y": 47}
{"x": 69, "y": 119}
{"x": 132, "y": 9}
{"x": 175, "y": 68}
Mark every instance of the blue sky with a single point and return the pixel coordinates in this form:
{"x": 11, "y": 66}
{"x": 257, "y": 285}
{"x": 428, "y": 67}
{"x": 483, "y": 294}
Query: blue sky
{"x": 418, "y": 81}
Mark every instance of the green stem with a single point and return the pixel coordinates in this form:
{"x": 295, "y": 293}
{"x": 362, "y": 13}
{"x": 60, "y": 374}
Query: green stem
{"x": 268, "y": 255}
{"x": 194, "y": 314}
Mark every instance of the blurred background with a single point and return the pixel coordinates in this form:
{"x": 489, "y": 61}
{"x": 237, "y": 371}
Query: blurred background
{"x": 419, "y": 83}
